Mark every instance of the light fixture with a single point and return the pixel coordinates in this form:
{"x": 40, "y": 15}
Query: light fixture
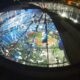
{"x": 64, "y": 15}
{"x": 75, "y": 21}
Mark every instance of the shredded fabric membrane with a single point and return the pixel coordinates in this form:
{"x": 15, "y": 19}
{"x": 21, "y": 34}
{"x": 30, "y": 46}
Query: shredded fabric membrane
{"x": 29, "y": 36}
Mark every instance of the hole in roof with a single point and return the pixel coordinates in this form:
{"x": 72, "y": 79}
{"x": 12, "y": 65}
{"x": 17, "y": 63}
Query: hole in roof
{"x": 29, "y": 37}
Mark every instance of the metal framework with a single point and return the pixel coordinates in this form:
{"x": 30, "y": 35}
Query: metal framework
{"x": 42, "y": 19}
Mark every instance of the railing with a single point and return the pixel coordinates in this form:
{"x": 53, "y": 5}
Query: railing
{"x": 57, "y": 64}
{"x": 70, "y": 12}
{"x": 67, "y": 11}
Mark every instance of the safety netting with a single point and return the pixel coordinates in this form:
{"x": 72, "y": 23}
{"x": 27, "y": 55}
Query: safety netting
{"x": 29, "y": 36}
